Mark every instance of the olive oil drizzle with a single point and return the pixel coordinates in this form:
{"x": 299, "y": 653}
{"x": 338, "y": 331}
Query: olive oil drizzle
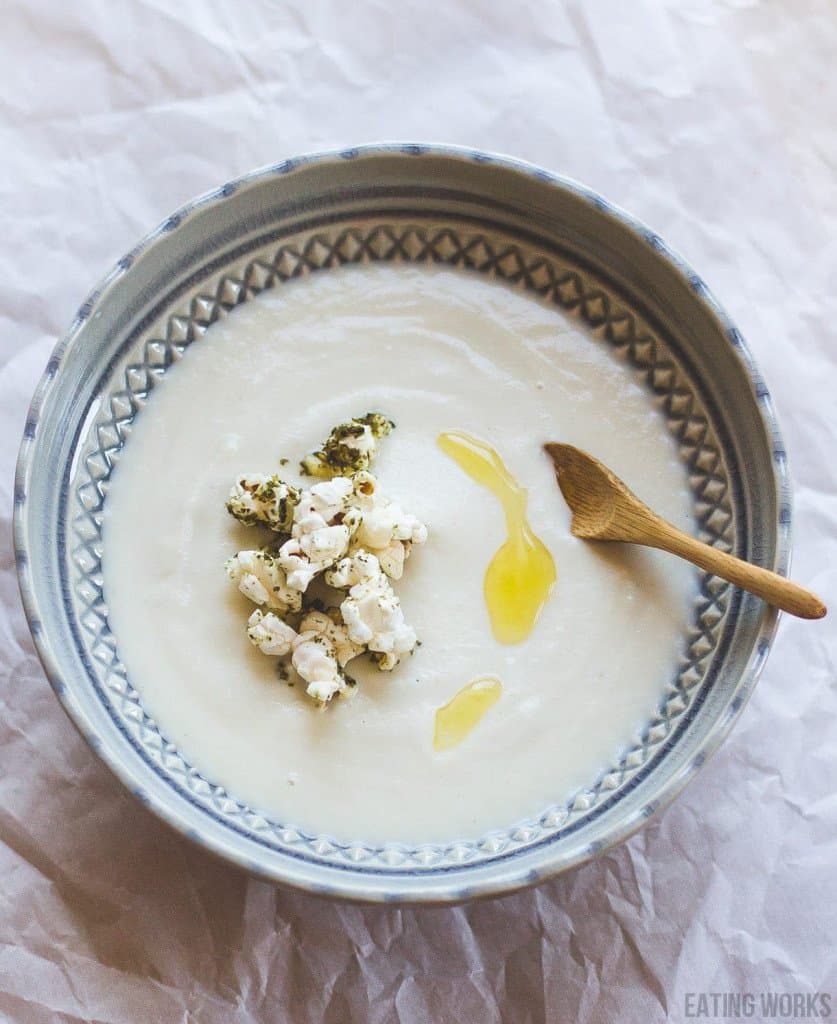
{"x": 464, "y": 711}
{"x": 521, "y": 575}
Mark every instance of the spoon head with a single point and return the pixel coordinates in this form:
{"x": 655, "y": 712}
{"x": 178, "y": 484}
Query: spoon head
{"x": 595, "y": 495}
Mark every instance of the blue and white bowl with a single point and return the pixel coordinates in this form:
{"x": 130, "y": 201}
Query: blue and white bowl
{"x": 427, "y": 204}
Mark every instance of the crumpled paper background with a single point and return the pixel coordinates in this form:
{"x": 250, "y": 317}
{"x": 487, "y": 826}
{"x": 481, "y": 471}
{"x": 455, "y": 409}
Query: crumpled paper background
{"x": 714, "y": 122}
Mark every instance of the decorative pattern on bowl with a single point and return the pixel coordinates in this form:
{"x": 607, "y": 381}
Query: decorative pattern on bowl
{"x": 478, "y": 245}
{"x": 454, "y": 245}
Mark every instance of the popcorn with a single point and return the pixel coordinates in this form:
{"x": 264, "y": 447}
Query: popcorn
{"x": 343, "y": 530}
{"x": 329, "y": 624}
{"x": 372, "y": 612}
{"x": 316, "y": 664}
{"x": 349, "y": 447}
{"x": 261, "y": 578}
{"x": 256, "y": 498}
{"x": 359, "y": 566}
{"x": 385, "y": 529}
{"x": 270, "y": 634}
{"x": 320, "y": 533}
{"x": 326, "y": 500}
{"x": 320, "y": 653}
{"x": 306, "y": 556}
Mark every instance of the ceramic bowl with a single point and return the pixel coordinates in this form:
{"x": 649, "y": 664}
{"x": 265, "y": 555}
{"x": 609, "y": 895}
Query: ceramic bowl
{"x": 427, "y": 204}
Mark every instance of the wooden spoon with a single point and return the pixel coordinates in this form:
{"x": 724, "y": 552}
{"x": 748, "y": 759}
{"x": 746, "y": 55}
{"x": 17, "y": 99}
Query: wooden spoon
{"x": 604, "y": 509}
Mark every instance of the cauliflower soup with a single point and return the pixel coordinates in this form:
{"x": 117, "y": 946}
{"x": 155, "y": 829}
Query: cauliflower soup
{"x": 440, "y": 353}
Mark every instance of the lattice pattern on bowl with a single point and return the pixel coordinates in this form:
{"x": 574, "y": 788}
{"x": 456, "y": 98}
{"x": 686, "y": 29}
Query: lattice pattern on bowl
{"x": 480, "y": 250}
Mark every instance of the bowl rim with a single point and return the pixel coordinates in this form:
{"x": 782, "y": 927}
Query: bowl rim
{"x": 432, "y": 887}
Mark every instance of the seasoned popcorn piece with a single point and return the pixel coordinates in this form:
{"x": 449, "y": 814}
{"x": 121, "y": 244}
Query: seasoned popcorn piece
{"x": 315, "y": 662}
{"x": 349, "y": 447}
{"x": 330, "y": 624}
{"x": 321, "y": 652}
{"x": 392, "y": 558}
{"x": 328, "y": 500}
{"x": 385, "y": 529}
{"x": 371, "y": 611}
{"x": 353, "y": 569}
{"x": 270, "y": 634}
{"x": 320, "y": 533}
{"x": 305, "y": 557}
{"x": 256, "y": 498}
{"x": 261, "y": 578}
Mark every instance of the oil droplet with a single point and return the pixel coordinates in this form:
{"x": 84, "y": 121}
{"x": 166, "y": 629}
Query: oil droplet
{"x": 458, "y": 717}
{"x": 521, "y": 575}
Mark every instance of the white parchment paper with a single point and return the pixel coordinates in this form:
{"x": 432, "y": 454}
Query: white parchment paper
{"x": 715, "y": 123}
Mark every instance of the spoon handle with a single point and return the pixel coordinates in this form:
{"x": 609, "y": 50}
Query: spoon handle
{"x": 775, "y": 589}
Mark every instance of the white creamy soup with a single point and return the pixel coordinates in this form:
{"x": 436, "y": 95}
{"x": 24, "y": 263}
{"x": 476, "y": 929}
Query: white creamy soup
{"x": 435, "y": 350}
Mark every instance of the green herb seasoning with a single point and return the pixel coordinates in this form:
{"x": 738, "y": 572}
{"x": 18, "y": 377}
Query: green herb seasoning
{"x": 349, "y": 448}
{"x": 264, "y": 500}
